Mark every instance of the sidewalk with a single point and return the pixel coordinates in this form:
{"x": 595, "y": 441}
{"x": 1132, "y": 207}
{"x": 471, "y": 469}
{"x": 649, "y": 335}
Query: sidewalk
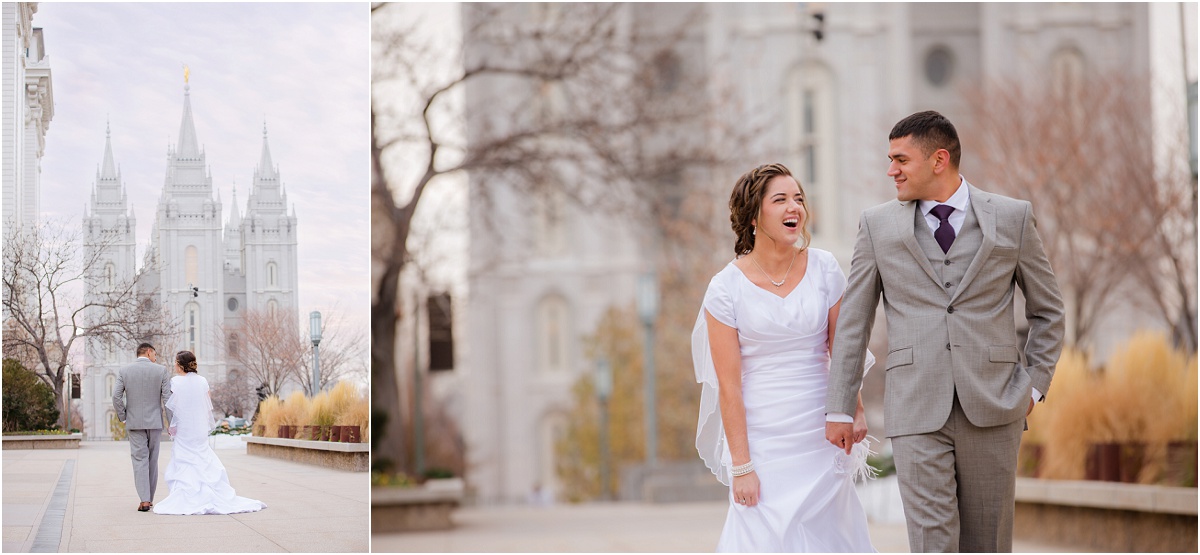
{"x": 615, "y": 527}
{"x": 83, "y": 500}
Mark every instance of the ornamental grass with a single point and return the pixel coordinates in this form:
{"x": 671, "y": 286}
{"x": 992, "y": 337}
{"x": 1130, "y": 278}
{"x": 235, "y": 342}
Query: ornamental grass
{"x": 340, "y": 406}
{"x": 359, "y": 414}
{"x": 320, "y": 411}
{"x": 295, "y": 410}
{"x": 268, "y": 416}
{"x": 341, "y": 396}
{"x": 1145, "y": 396}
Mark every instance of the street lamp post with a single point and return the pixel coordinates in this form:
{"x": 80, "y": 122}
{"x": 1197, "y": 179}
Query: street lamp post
{"x": 647, "y": 300}
{"x": 604, "y": 387}
{"x": 314, "y": 330}
{"x": 67, "y": 397}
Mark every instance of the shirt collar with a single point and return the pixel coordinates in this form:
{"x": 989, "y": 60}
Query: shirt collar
{"x": 959, "y": 200}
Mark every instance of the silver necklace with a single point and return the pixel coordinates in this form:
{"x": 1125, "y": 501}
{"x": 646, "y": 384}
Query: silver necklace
{"x": 785, "y": 274}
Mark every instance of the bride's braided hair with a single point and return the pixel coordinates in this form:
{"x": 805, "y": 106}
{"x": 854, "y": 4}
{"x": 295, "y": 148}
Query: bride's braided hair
{"x": 745, "y": 204}
{"x": 186, "y": 360}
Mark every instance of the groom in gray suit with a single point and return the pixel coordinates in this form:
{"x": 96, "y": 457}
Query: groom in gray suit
{"x": 946, "y": 258}
{"x": 147, "y": 387}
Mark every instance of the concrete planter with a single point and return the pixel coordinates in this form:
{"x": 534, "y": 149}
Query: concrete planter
{"x": 429, "y": 507}
{"x": 355, "y": 457}
{"x": 1106, "y": 516}
{"x": 51, "y": 441}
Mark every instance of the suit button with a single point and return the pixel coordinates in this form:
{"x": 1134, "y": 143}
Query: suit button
{"x": 950, "y": 310}
{"x": 947, "y": 346}
{"x": 947, "y": 262}
{"x": 947, "y": 285}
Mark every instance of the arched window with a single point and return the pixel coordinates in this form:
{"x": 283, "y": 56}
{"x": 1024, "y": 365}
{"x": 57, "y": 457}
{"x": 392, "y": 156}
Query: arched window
{"x": 233, "y": 345}
{"x": 191, "y": 327}
{"x": 554, "y": 333}
{"x": 191, "y": 264}
{"x": 812, "y": 140}
{"x": 272, "y": 275}
{"x": 272, "y": 308}
{"x": 110, "y": 276}
{"x": 110, "y": 383}
{"x": 1067, "y": 70}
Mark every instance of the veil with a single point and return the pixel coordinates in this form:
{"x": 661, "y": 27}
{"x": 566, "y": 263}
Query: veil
{"x": 710, "y": 430}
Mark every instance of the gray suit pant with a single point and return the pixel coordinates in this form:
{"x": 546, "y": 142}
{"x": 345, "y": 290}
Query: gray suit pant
{"x": 143, "y": 449}
{"x": 958, "y": 485}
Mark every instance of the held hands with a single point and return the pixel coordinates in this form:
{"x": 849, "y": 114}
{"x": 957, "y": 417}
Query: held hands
{"x": 171, "y": 431}
{"x": 746, "y": 489}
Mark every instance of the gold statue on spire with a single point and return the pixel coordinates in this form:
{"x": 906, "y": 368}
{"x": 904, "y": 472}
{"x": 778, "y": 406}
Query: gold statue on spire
{"x": 186, "y": 73}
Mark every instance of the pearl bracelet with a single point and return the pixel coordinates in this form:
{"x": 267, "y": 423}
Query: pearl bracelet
{"x": 742, "y": 470}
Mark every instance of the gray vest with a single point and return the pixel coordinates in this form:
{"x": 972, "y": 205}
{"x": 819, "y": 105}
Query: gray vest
{"x": 950, "y": 266}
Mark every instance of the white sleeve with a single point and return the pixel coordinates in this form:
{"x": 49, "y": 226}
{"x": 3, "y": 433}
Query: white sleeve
{"x": 718, "y": 301}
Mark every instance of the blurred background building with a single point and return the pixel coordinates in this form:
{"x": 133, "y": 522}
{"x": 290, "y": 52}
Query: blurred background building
{"x": 28, "y": 109}
{"x": 583, "y": 184}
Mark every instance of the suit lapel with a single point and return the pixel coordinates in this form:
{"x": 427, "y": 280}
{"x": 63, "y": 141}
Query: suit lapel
{"x": 906, "y": 220}
{"x": 985, "y": 215}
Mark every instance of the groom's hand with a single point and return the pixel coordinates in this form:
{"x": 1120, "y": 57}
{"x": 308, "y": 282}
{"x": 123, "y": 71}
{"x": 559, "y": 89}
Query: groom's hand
{"x": 840, "y": 434}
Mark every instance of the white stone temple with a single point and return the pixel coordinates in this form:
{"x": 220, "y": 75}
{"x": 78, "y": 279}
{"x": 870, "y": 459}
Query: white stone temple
{"x": 207, "y": 267}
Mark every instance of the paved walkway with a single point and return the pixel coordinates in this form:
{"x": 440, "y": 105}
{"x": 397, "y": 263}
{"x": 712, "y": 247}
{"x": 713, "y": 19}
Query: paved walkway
{"x": 627, "y": 527}
{"x": 83, "y": 500}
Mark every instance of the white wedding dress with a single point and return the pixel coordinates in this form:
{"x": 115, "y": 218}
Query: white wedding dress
{"x": 195, "y": 476}
{"x": 808, "y": 501}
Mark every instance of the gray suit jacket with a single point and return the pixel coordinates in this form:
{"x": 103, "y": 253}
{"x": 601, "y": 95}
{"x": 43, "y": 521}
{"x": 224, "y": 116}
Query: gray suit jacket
{"x": 940, "y": 342}
{"x": 147, "y": 387}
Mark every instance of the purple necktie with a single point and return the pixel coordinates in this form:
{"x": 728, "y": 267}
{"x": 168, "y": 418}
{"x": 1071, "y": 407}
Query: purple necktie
{"x": 945, "y": 232}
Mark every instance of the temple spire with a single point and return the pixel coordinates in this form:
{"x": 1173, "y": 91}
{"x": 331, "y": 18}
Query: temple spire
{"x": 109, "y": 169}
{"x": 235, "y": 216}
{"x": 188, "y": 146}
{"x": 266, "y": 167}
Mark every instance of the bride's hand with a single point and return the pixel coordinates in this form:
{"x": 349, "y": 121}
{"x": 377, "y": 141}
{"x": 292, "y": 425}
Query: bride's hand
{"x": 860, "y": 424}
{"x": 171, "y": 431}
{"x": 746, "y": 489}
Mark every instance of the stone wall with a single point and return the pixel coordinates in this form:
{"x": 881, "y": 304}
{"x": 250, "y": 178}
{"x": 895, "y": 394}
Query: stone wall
{"x": 1107, "y": 516}
{"x": 354, "y": 457}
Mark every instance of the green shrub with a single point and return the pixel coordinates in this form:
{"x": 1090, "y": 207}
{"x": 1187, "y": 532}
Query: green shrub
{"x": 28, "y": 401}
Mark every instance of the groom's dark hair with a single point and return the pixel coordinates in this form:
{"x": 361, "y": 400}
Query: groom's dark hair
{"x": 144, "y": 348}
{"x": 929, "y": 131}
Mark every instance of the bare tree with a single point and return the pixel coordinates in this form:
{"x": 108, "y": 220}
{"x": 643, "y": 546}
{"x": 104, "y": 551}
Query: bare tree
{"x": 269, "y": 347}
{"x": 234, "y": 396}
{"x": 584, "y": 101}
{"x": 1082, "y": 152}
{"x": 46, "y": 273}
{"x": 1164, "y": 267}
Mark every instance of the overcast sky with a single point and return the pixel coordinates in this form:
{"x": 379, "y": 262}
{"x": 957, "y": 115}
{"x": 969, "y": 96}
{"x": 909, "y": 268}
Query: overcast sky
{"x": 303, "y": 68}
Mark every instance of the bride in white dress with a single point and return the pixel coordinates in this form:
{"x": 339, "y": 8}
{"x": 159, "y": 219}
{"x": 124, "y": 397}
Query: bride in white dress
{"x": 761, "y": 351}
{"x": 195, "y": 476}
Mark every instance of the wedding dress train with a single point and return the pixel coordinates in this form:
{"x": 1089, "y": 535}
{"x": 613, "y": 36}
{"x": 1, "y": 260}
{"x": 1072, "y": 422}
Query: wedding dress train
{"x": 195, "y": 476}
